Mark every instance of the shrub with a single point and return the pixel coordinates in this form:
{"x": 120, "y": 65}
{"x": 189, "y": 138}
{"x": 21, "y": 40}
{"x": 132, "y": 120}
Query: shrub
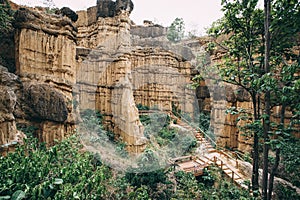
{"x": 60, "y": 172}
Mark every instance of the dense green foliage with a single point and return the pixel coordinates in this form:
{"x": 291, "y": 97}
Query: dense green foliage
{"x": 290, "y": 168}
{"x": 6, "y": 17}
{"x": 60, "y": 172}
{"x": 267, "y": 69}
{"x": 65, "y": 172}
{"x": 284, "y": 192}
{"x": 174, "y": 142}
{"x": 204, "y": 121}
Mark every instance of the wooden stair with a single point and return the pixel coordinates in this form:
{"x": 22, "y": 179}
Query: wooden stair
{"x": 211, "y": 155}
{"x": 217, "y": 157}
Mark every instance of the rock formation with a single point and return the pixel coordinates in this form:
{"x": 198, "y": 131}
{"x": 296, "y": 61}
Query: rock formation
{"x": 65, "y": 11}
{"x": 108, "y": 52}
{"x": 46, "y": 66}
{"x": 98, "y": 59}
{"x": 109, "y": 8}
{"x": 102, "y": 62}
{"x": 9, "y": 87}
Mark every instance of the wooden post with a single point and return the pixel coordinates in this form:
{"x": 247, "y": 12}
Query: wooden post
{"x": 236, "y": 160}
{"x": 221, "y": 164}
{"x": 232, "y": 178}
{"x": 215, "y": 160}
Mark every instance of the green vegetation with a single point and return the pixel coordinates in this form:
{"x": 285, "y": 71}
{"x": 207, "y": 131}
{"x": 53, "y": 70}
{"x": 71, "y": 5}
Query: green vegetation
{"x": 64, "y": 171}
{"x": 284, "y": 192}
{"x": 142, "y": 107}
{"x": 290, "y": 166}
{"x": 92, "y": 130}
{"x": 60, "y": 172}
{"x": 204, "y": 121}
{"x": 176, "y": 30}
{"x": 6, "y": 17}
{"x": 158, "y": 126}
{"x": 260, "y": 58}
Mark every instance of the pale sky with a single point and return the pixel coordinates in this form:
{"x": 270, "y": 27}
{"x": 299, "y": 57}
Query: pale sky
{"x": 197, "y": 14}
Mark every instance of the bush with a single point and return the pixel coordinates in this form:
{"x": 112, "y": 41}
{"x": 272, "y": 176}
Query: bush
{"x": 60, "y": 172}
{"x": 6, "y": 18}
{"x": 142, "y": 107}
{"x": 283, "y": 192}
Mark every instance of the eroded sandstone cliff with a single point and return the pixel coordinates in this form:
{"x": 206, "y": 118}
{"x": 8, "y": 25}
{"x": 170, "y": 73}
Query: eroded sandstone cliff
{"x": 114, "y": 74}
{"x": 104, "y": 62}
{"x": 46, "y": 70}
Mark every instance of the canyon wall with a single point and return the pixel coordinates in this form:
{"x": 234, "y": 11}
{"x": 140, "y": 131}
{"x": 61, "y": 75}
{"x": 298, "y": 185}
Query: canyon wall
{"x": 114, "y": 74}
{"x": 105, "y": 62}
{"x": 46, "y": 67}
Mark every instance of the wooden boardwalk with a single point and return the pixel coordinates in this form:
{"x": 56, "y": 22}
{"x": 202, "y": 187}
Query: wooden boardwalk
{"x": 189, "y": 164}
{"x": 207, "y": 155}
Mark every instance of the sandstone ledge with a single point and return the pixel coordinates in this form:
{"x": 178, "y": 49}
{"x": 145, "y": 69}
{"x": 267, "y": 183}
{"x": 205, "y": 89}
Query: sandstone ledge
{"x": 50, "y": 24}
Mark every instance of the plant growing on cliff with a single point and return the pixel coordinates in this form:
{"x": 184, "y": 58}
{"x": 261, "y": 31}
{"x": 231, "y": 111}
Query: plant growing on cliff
{"x": 6, "y": 17}
{"x": 176, "y": 30}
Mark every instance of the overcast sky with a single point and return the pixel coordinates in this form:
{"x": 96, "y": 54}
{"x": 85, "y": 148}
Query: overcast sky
{"x": 197, "y": 14}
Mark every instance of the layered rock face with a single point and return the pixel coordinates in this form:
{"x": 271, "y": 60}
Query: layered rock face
{"x": 9, "y": 87}
{"x": 109, "y": 34}
{"x": 161, "y": 78}
{"x": 46, "y": 65}
{"x": 104, "y": 68}
{"x": 104, "y": 84}
{"x": 225, "y": 125}
{"x": 118, "y": 70}
{"x": 46, "y": 49}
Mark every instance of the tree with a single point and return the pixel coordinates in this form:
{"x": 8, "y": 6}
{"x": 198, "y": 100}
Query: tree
{"x": 176, "y": 30}
{"x": 49, "y": 3}
{"x": 282, "y": 23}
{"x": 243, "y": 60}
{"x": 260, "y": 57}
{"x": 267, "y": 110}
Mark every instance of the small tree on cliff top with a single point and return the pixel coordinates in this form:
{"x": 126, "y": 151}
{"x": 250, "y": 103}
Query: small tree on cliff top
{"x": 176, "y": 30}
{"x": 49, "y": 3}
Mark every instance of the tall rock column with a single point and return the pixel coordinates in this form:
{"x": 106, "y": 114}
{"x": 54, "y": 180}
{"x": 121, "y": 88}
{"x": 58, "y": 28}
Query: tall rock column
{"x": 125, "y": 113}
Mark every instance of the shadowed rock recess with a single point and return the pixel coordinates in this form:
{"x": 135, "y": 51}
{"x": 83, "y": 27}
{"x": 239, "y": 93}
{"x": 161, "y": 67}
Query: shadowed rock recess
{"x": 99, "y": 59}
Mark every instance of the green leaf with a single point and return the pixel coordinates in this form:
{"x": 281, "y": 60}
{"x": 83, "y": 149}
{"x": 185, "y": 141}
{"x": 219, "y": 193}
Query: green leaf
{"x": 18, "y": 195}
{"x": 278, "y": 146}
{"x": 4, "y": 197}
{"x": 58, "y": 181}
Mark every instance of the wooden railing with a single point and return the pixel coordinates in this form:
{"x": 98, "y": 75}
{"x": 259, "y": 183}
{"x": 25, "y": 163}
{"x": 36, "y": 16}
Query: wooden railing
{"x": 222, "y": 164}
{"x": 218, "y": 148}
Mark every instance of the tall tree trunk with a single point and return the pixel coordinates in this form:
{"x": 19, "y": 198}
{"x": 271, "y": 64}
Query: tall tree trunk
{"x": 267, "y": 112}
{"x": 255, "y": 151}
{"x": 277, "y": 157}
{"x": 273, "y": 173}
